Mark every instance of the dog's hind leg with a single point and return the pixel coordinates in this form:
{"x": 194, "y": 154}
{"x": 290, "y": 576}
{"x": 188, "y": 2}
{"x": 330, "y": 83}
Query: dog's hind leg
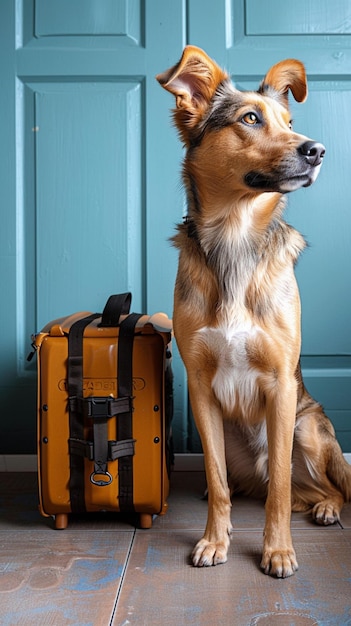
{"x": 213, "y": 547}
{"x": 321, "y": 476}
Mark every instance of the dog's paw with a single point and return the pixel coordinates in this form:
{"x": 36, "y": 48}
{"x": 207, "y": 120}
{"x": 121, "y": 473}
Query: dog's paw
{"x": 280, "y": 563}
{"x": 207, "y": 553}
{"x": 326, "y": 513}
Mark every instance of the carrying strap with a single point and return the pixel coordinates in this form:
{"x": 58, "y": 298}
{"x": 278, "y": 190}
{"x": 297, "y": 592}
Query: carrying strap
{"x": 125, "y": 422}
{"x": 115, "y": 306}
{"x": 76, "y": 425}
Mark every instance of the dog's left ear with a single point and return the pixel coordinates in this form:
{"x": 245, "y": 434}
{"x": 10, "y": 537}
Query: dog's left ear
{"x": 288, "y": 74}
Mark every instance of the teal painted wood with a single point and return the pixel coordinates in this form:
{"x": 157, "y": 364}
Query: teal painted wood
{"x": 301, "y": 18}
{"x": 91, "y": 172}
{"x": 64, "y": 18}
{"x": 89, "y": 205}
{"x": 16, "y": 392}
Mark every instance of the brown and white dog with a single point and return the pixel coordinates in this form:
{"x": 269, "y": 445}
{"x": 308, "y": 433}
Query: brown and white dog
{"x": 237, "y": 306}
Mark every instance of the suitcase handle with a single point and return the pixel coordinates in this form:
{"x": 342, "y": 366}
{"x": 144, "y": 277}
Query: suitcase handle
{"x": 115, "y": 306}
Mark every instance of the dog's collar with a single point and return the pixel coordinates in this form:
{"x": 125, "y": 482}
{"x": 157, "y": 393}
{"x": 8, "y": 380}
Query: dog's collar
{"x": 191, "y": 227}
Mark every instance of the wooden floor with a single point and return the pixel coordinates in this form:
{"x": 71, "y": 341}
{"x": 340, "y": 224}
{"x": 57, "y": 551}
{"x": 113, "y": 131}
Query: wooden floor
{"x": 102, "y": 571}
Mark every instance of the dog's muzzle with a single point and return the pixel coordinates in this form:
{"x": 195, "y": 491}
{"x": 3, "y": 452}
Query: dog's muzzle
{"x": 299, "y": 170}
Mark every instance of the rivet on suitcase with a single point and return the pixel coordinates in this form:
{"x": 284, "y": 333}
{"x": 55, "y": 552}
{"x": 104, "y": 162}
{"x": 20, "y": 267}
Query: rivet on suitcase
{"x": 104, "y": 412}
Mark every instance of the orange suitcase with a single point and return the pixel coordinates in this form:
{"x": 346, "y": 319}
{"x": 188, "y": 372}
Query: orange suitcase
{"x": 104, "y": 411}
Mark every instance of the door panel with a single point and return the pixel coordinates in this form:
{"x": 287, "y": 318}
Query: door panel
{"x": 54, "y": 18}
{"x": 83, "y": 236}
{"x": 301, "y": 17}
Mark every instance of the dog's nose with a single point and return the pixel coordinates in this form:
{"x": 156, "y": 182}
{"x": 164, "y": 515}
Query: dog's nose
{"x": 312, "y": 151}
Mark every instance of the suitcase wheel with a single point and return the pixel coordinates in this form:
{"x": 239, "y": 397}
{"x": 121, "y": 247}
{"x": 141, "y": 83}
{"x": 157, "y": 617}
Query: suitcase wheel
{"x": 145, "y": 520}
{"x": 164, "y": 509}
{"x": 61, "y": 521}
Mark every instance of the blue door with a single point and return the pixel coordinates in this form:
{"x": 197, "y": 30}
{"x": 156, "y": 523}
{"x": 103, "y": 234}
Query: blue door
{"x": 247, "y": 37}
{"x": 91, "y": 166}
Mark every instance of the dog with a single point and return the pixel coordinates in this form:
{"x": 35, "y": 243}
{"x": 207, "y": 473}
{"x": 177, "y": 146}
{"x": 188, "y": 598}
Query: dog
{"x": 237, "y": 307}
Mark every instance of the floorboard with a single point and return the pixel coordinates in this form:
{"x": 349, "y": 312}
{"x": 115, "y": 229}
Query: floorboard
{"x": 103, "y": 571}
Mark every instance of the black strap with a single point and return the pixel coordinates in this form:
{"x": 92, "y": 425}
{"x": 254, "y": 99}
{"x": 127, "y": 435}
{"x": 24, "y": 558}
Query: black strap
{"x": 116, "y": 449}
{"x": 100, "y": 452}
{"x": 169, "y": 409}
{"x": 115, "y": 306}
{"x": 125, "y": 424}
{"x": 76, "y": 425}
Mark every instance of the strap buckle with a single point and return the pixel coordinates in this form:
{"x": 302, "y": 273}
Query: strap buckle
{"x": 100, "y": 407}
{"x": 97, "y": 407}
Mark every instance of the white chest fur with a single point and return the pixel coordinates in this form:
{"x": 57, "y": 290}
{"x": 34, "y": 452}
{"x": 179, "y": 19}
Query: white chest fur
{"x": 235, "y": 380}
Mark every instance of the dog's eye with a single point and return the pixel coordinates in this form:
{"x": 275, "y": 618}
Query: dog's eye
{"x": 250, "y": 119}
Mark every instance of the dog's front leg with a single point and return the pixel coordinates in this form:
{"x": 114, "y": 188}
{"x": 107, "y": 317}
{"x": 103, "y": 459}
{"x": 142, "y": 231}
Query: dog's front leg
{"x": 213, "y": 547}
{"x": 278, "y": 553}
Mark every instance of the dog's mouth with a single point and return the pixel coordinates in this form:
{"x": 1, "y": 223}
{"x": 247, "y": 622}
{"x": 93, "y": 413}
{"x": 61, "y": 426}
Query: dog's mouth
{"x": 281, "y": 181}
{"x": 295, "y": 171}
{"x": 296, "y": 182}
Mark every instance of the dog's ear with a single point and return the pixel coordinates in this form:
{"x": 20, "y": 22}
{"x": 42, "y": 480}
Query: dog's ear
{"x": 289, "y": 74}
{"x": 193, "y": 82}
